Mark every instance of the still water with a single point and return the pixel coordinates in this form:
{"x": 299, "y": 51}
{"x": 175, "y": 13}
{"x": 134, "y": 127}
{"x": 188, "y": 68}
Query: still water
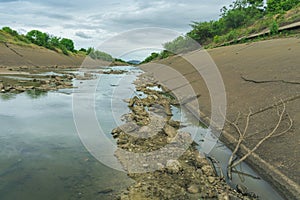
{"x": 42, "y": 156}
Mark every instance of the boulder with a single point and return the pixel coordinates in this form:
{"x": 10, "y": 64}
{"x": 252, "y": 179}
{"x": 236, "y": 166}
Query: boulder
{"x": 173, "y": 166}
{"x": 193, "y": 189}
{"x": 170, "y": 131}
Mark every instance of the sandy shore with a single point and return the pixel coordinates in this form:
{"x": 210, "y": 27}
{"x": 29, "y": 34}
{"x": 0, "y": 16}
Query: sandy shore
{"x": 258, "y": 76}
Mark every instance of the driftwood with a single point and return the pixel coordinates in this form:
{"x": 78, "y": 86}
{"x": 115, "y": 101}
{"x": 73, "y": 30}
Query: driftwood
{"x": 234, "y": 160}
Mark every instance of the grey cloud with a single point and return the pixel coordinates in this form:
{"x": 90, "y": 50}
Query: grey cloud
{"x": 82, "y": 35}
{"x": 53, "y": 15}
{"x": 4, "y": 1}
{"x": 38, "y": 25}
{"x": 102, "y": 19}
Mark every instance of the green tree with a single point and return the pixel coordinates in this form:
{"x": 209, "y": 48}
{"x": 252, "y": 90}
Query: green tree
{"x": 277, "y": 6}
{"x": 10, "y": 31}
{"x": 96, "y": 54}
{"x": 180, "y": 44}
{"x": 38, "y": 38}
{"x": 89, "y": 50}
{"x": 83, "y": 50}
{"x": 54, "y": 41}
{"x": 68, "y": 44}
{"x": 202, "y": 31}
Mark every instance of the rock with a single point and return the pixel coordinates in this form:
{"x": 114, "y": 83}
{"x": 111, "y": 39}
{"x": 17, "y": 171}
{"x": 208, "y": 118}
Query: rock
{"x": 193, "y": 189}
{"x": 168, "y": 110}
{"x": 105, "y": 191}
{"x": 58, "y": 78}
{"x": 128, "y": 127}
{"x": 68, "y": 84}
{"x": 175, "y": 124}
{"x": 207, "y": 170}
{"x": 160, "y": 166}
{"x": 146, "y": 165}
{"x": 252, "y": 194}
{"x": 173, "y": 166}
{"x": 20, "y": 88}
{"x": 140, "y": 110}
{"x": 132, "y": 101}
{"x": 223, "y": 196}
{"x": 29, "y": 87}
{"x": 211, "y": 179}
{"x": 7, "y": 88}
{"x": 170, "y": 131}
{"x": 115, "y": 132}
{"x": 1, "y": 86}
{"x": 242, "y": 189}
{"x": 126, "y": 100}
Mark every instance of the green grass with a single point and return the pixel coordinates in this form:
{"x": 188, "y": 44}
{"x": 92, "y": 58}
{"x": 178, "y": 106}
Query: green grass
{"x": 263, "y": 24}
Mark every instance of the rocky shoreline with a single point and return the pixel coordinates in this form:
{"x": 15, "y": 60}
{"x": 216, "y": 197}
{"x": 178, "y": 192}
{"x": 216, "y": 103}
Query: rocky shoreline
{"x": 46, "y": 83}
{"x": 177, "y": 172}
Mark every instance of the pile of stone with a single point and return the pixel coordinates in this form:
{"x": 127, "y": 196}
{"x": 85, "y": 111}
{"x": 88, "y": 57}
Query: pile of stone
{"x": 163, "y": 161}
{"x": 44, "y": 84}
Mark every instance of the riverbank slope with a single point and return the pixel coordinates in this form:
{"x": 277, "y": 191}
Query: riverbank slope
{"x": 256, "y": 75}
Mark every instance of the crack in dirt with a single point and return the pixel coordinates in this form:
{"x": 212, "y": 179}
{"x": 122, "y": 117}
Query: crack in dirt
{"x": 12, "y": 50}
{"x": 293, "y": 98}
{"x": 269, "y": 81}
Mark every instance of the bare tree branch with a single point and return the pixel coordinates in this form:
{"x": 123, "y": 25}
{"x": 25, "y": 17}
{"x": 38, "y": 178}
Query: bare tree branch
{"x": 269, "y": 135}
{"x": 233, "y": 161}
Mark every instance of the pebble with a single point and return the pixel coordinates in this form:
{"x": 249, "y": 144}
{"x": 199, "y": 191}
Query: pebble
{"x": 193, "y": 189}
{"x": 173, "y": 166}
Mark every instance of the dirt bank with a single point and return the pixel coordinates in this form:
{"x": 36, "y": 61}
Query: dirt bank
{"x": 258, "y": 76}
{"x": 21, "y": 68}
{"x": 21, "y": 58}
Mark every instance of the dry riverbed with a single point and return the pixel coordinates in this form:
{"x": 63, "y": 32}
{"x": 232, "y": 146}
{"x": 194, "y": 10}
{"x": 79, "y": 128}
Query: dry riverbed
{"x": 177, "y": 172}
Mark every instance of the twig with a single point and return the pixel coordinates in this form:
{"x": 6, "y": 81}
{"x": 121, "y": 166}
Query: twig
{"x": 213, "y": 160}
{"x": 233, "y": 161}
{"x": 240, "y": 140}
{"x": 261, "y": 141}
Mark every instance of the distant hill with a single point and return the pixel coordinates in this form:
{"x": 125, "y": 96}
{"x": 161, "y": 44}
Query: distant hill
{"x": 134, "y": 62}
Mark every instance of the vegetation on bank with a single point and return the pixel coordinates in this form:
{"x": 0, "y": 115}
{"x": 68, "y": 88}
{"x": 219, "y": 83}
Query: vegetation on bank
{"x": 60, "y": 45}
{"x": 240, "y": 19}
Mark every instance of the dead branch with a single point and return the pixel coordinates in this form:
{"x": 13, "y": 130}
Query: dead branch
{"x": 214, "y": 161}
{"x": 240, "y": 140}
{"x": 232, "y": 163}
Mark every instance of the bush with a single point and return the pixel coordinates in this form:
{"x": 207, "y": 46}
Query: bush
{"x": 64, "y": 50}
{"x": 10, "y": 31}
{"x": 274, "y": 28}
{"x": 232, "y": 35}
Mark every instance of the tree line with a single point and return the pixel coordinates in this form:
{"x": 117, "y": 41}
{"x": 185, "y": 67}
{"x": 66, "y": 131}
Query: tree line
{"x": 238, "y": 15}
{"x": 54, "y": 43}
{"x": 43, "y": 39}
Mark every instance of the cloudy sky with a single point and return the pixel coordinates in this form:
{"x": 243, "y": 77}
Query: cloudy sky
{"x": 91, "y": 22}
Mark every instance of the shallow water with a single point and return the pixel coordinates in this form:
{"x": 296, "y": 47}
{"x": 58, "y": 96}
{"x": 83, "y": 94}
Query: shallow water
{"x": 42, "y": 157}
{"x": 221, "y": 153}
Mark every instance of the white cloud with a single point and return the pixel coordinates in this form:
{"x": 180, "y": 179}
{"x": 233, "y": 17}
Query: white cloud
{"x": 91, "y": 22}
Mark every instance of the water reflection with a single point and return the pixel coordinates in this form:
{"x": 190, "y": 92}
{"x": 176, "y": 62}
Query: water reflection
{"x": 7, "y": 96}
{"x": 35, "y": 94}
